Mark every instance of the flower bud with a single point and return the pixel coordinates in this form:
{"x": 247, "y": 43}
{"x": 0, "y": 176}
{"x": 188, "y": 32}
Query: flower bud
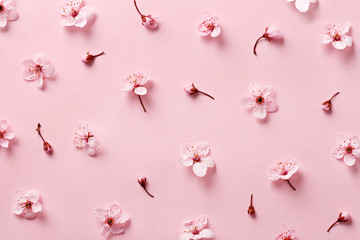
{"x": 142, "y": 180}
{"x": 251, "y": 210}
{"x": 87, "y": 58}
{"x": 149, "y": 21}
{"x": 326, "y": 106}
{"x": 47, "y": 147}
{"x": 190, "y": 89}
{"x": 344, "y": 217}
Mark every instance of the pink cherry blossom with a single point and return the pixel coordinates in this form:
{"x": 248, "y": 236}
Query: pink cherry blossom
{"x": 194, "y": 229}
{"x": 88, "y": 58}
{"x": 5, "y": 134}
{"x": 198, "y": 157}
{"x": 75, "y": 13}
{"x": 270, "y": 33}
{"x": 261, "y": 100}
{"x": 27, "y": 204}
{"x": 84, "y": 140}
{"x": 326, "y": 106}
{"x": 302, "y": 5}
{"x": 209, "y": 26}
{"x": 142, "y": 181}
{"x": 286, "y": 234}
{"x": 191, "y": 89}
{"x": 343, "y": 217}
{"x": 147, "y": 20}
{"x": 113, "y": 219}
{"x": 284, "y": 170}
{"x": 7, "y": 12}
{"x": 336, "y": 34}
{"x": 37, "y": 69}
{"x": 347, "y": 149}
{"x": 135, "y": 83}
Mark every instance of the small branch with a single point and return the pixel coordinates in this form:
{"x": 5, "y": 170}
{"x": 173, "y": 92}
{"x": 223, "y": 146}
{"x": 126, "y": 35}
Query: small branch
{"x": 38, "y": 130}
{"x": 148, "y": 192}
{"x": 99, "y": 54}
{"x": 142, "y": 103}
{"x": 256, "y": 43}
{"x": 332, "y": 226}
{"x": 334, "y": 95}
{"x": 291, "y": 185}
{"x": 206, "y": 95}
{"x": 138, "y": 9}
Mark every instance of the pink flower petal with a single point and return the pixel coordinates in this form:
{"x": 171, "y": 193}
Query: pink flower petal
{"x": 39, "y": 80}
{"x": 12, "y": 15}
{"x": 186, "y": 161}
{"x": 33, "y": 195}
{"x": 206, "y": 233}
{"x": 325, "y": 39}
{"x": 123, "y": 217}
{"x": 209, "y": 161}
{"x": 87, "y": 12}
{"x": 114, "y": 207}
{"x": 17, "y": 209}
{"x": 338, "y": 152}
{"x": 272, "y": 106}
{"x": 100, "y": 214}
{"x": 343, "y": 27}
{"x": 203, "y": 148}
{"x": 347, "y": 40}
{"x": 19, "y": 196}
{"x": 216, "y": 32}
{"x": 3, "y": 20}
{"x": 200, "y": 169}
{"x": 68, "y": 21}
{"x": 140, "y": 91}
{"x": 339, "y": 44}
{"x": 9, "y": 135}
{"x": 259, "y": 111}
{"x": 105, "y": 231}
{"x": 80, "y": 21}
{"x": 247, "y": 102}
{"x": 4, "y": 143}
{"x": 186, "y": 236}
{"x": 302, "y": 5}
{"x": 349, "y": 160}
{"x": 342, "y": 140}
{"x": 117, "y": 228}
{"x": 201, "y": 222}
{"x": 48, "y": 70}
{"x": 36, "y": 207}
{"x": 255, "y": 89}
{"x": 3, "y": 124}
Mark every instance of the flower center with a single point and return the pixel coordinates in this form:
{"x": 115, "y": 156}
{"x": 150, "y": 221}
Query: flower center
{"x": 196, "y": 158}
{"x": 349, "y": 149}
{"x": 195, "y": 231}
{"x": 110, "y": 221}
{"x": 74, "y": 13}
{"x": 1, "y": 8}
{"x": 28, "y": 205}
{"x": 38, "y": 68}
{"x": 337, "y": 37}
{"x": 259, "y": 99}
{"x": 2, "y": 134}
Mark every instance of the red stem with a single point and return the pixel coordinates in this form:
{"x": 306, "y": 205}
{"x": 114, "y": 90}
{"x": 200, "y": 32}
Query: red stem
{"x": 138, "y": 9}
{"x": 291, "y": 185}
{"x": 98, "y": 54}
{"x": 256, "y": 43}
{"x": 251, "y": 200}
{"x": 38, "y": 130}
{"x": 148, "y": 192}
{"x": 334, "y": 96}
{"x": 332, "y": 226}
{"x": 206, "y": 94}
{"x": 142, "y": 103}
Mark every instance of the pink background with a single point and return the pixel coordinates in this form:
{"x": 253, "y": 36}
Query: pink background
{"x": 304, "y": 73}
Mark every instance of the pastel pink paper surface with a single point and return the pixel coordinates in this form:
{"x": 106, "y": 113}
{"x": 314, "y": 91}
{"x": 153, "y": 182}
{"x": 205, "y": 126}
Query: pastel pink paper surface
{"x": 303, "y": 72}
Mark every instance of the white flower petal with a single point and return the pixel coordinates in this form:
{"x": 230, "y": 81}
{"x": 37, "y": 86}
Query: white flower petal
{"x": 302, "y": 5}
{"x": 140, "y": 90}
{"x": 200, "y": 169}
{"x": 206, "y": 233}
{"x": 349, "y": 160}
